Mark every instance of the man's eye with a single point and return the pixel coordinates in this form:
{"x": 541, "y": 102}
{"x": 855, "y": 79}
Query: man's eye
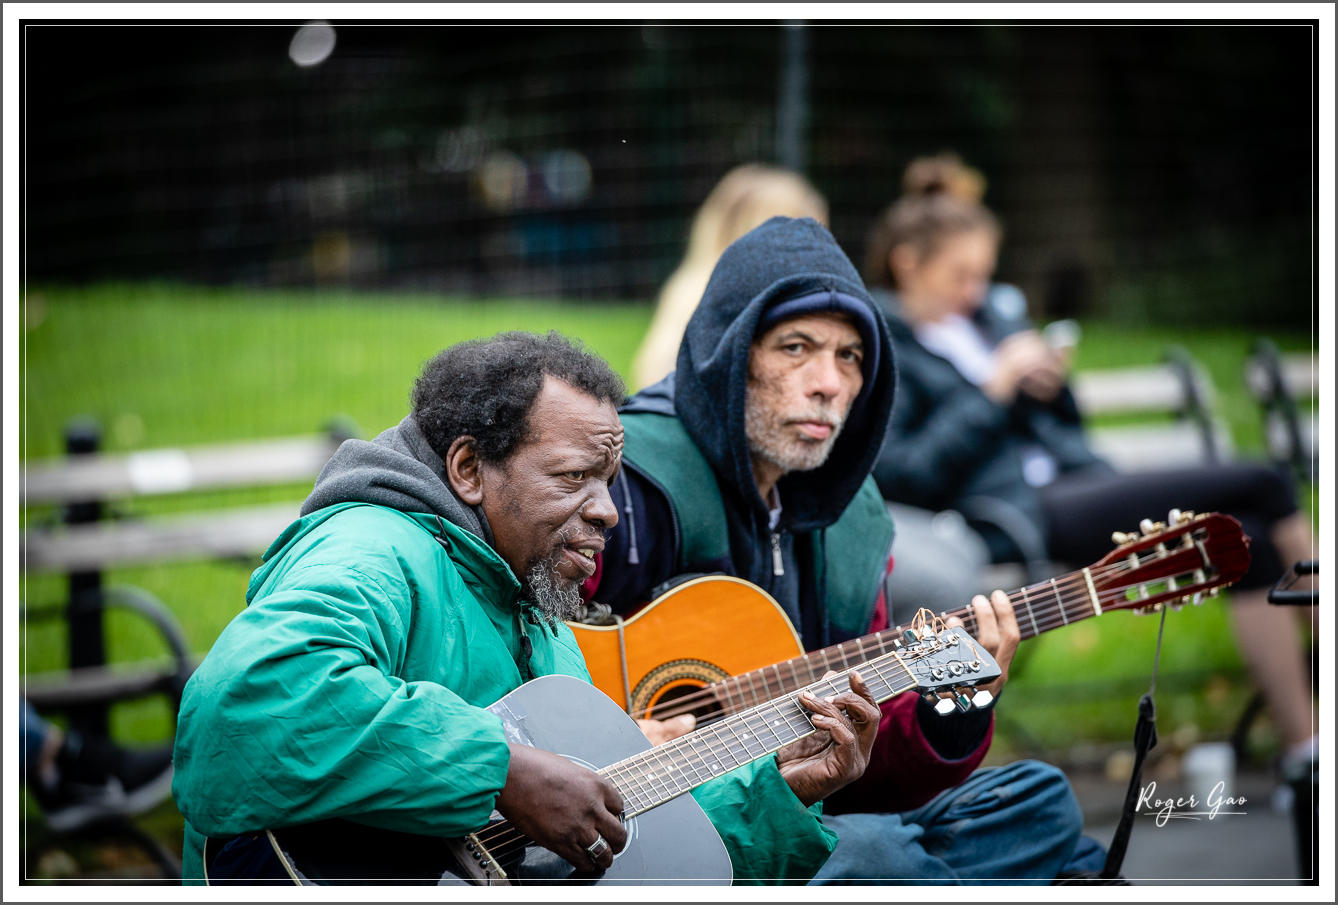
{"x": 793, "y": 348}
{"x": 852, "y": 355}
{"x": 575, "y": 475}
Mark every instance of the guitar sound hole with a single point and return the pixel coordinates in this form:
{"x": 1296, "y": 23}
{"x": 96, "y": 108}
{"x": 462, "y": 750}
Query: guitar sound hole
{"x": 671, "y": 703}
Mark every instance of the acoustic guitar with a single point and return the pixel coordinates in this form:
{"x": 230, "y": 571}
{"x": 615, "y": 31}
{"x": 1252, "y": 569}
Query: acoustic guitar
{"x": 715, "y": 645}
{"x": 670, "y": 838}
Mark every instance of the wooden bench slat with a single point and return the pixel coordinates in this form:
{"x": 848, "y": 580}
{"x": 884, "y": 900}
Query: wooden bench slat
{"x": 1160, "y": 446}
{"x": 1300, "y": 374}
{"x": 94, "y": 684}
{"x": 1148, "y": 389}
{"x": 220, "y": 534}
{"x": 98, "y": 477}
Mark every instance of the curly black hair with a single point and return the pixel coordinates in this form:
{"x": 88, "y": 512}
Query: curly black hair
{"x": 485, "y": 388}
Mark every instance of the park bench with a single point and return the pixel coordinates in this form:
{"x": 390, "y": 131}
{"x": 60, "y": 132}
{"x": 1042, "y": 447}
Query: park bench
{"x": 84, "y": 544}
{"x": 1282, "y": 384}
{"x": 1179, "y": 387}
{"x": 83, "y": 483}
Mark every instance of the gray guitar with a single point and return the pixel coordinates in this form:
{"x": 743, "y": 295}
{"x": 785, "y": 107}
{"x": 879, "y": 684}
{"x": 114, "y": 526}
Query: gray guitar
{"x": 670, "y": 839}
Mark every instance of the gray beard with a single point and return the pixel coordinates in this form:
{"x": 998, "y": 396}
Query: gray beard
{"x": 767, "y": 439}
{"x": 556, "y": 598}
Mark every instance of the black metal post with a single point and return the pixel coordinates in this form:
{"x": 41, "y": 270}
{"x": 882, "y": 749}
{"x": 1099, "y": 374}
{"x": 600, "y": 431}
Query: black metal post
{"x": 84, "y": 613}
{"x": 792, "y": 98}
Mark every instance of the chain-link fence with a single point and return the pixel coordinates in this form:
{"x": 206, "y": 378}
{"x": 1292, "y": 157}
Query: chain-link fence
{"x": 1146, "y": 171}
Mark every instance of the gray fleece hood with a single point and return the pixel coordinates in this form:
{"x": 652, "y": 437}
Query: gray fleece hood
{"x": 399, "y": 470}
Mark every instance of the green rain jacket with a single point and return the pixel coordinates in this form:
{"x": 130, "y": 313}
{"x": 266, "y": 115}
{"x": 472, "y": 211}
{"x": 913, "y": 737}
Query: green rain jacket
{"x": 353, "y": 685}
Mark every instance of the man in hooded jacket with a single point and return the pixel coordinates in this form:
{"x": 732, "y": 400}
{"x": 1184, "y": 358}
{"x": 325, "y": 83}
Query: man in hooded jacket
{"x": 428, "y": 577}
{"x": 713, "y": 483}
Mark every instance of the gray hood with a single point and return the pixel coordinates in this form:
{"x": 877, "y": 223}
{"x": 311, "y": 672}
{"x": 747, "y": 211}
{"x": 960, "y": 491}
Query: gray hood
{"x": 398, "y": 470}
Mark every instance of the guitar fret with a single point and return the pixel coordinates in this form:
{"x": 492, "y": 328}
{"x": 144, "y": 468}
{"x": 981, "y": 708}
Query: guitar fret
{"x": 843, "y": 657}
{"x": 742, "y": 744}
{"x": 753, "y": 688}
{"x": 670, "y": 771}
{"x": 794, "y": 674}
{"x": 1059, "y": 600}
{"x": 732, "y": 687}
{"x": 1027, "y": 601}
{"x": 771, "y": 726}
{"x": 690, "y": 744}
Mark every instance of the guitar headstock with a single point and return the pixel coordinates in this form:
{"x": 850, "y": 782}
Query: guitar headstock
{"x": 947, "y": 660}
{"x": 1182, "y": 560}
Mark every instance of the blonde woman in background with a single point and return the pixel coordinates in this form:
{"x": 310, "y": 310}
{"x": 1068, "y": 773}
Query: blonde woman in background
{"x": 747, "y": 197}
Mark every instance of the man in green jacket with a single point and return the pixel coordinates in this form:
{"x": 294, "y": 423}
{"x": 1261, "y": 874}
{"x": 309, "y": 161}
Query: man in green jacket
{"x": 428, "y": 577}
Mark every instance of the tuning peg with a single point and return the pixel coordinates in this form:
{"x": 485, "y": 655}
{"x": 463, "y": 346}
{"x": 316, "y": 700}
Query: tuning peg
{"x": 945, "y": 706}
{"x": 982, "y": 698}
{"x": 963, "y": 702}
{"x": 1119, "y": 537}
{"x": 1147, "y": 526}
{"x": 1173, "y": 517}
{"x": 910, "y": 637}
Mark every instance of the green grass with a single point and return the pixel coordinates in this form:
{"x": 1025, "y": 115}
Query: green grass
{"x": 168, "y": 365}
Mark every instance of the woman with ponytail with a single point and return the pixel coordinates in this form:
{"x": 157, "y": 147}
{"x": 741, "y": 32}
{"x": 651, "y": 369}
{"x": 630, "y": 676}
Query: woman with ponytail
{"x": 984, "y": 424}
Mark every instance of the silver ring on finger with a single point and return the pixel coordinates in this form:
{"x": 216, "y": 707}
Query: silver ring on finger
{"x": 597, "y": 848}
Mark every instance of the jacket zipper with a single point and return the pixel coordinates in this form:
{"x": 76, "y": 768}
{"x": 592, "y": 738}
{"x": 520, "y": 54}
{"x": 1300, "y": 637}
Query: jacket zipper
{"x": 777, "y": 563}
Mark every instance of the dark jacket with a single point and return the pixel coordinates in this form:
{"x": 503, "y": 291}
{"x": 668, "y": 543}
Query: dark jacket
{"x": 780, "y": 260}
{"x": 949, "y": 442}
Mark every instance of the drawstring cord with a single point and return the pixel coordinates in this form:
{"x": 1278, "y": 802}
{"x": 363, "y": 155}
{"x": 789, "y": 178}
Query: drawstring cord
{"x": 633, "y": 558}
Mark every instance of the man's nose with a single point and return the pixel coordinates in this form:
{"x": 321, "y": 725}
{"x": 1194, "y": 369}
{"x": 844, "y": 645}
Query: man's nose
{"x": 825, "y": 378}
{"x": 599, "y": 509}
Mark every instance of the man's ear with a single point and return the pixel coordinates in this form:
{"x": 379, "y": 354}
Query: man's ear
{"x": 463, "y": 470}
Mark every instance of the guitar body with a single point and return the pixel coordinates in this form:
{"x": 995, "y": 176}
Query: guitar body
{"x": 698, "y": 633}
{"x": 674, "y": 843}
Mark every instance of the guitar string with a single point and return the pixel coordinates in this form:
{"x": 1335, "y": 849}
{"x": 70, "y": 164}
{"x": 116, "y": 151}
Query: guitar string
{"x": 502, "y": 839}
{"x": 1041, "y": 615}
{"x": 1076, "y": 581}
{"x": 718, "y": 746}
{"x": 1046, "y": 611}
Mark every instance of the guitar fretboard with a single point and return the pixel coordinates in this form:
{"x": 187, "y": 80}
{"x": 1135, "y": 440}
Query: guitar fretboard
{"x": 1038, "y": 607}
{"x": 667, "y": 771}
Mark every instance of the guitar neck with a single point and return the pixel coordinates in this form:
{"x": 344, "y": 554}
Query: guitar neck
{"x": 1039, "y": 608}
{"x": 653, "y": 777}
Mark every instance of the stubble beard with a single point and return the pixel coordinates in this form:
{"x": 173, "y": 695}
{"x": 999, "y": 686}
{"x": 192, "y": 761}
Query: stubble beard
{"x": 766, "y": 429}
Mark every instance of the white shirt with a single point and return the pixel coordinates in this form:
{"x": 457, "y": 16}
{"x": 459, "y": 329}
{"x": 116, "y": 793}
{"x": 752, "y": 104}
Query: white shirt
{"x": 960, "y": 342}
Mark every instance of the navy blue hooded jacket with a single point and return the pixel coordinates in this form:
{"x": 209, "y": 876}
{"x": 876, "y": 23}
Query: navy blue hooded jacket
{"x": 780, "y": 260}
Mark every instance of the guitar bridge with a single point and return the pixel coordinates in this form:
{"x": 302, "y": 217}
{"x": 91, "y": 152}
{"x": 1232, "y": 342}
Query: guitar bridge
{"x": 479, "y": 865}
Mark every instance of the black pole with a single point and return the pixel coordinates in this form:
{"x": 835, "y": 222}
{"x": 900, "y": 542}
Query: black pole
{"x": 84, "y": 613}
{"x": 792, "y": 98}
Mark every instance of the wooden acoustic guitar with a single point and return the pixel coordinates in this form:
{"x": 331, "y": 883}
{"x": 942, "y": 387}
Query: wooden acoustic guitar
{"x": 716, "y": 645}
{"x": 669, "y": 837}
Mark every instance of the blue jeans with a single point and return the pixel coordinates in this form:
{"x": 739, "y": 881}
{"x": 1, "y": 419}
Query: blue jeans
{"x": 1016, "y": 824}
